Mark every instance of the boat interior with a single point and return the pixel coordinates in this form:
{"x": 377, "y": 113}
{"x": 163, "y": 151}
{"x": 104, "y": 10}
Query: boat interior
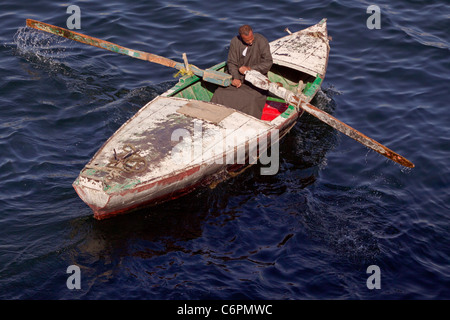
{"x": 293, "y": 80}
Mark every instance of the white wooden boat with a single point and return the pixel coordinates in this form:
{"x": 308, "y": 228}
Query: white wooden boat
{"x": 180, "y": 141}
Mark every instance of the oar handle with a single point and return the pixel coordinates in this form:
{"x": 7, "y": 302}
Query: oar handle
{"x": 212, "y": 76}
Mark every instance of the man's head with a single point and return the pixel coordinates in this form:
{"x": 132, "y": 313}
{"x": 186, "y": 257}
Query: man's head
{"x": 246, "y": 34}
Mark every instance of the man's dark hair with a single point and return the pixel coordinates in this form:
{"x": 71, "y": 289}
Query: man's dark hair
{"x": 245, "y": 30}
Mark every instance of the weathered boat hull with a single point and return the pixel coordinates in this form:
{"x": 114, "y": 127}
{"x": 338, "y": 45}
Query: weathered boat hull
{"x": 180, "y": 141}
{"x": 136, "y": 195}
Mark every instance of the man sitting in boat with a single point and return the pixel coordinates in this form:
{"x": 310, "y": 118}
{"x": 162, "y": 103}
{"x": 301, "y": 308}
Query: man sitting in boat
{"x": 247, "y": 51}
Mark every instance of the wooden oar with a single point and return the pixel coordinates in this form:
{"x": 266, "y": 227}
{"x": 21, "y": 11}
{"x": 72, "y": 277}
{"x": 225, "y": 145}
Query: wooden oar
{"x": 208, "y": 75}
{"x": 260, "y": 81}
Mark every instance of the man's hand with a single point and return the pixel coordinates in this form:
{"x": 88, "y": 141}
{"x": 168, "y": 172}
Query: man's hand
{"x": 236, "y": 82}
{"x": 243, "y": 69}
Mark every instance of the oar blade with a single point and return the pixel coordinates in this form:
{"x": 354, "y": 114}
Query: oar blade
{"x": 355, "y": 134}
{"x": 261, "y": 81}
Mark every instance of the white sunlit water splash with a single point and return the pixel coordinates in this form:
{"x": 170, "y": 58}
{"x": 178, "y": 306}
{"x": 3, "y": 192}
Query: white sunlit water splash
{"x": 40, "y": 47}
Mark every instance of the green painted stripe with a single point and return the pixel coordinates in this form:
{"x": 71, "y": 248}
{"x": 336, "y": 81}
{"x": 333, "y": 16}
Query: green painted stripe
{"x": 311, "y": 90}
{"x": 288, "y": 112}
{"x": 121, "y": 187}
{"x": 276, "y": 99}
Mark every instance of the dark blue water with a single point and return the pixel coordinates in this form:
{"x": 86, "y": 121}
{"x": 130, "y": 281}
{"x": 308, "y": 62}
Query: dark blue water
{"x": 309, "y": 232}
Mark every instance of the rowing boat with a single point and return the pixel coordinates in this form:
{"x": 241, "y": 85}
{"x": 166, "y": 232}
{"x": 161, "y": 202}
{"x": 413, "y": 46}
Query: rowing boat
{"x": 180, "y": 141}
